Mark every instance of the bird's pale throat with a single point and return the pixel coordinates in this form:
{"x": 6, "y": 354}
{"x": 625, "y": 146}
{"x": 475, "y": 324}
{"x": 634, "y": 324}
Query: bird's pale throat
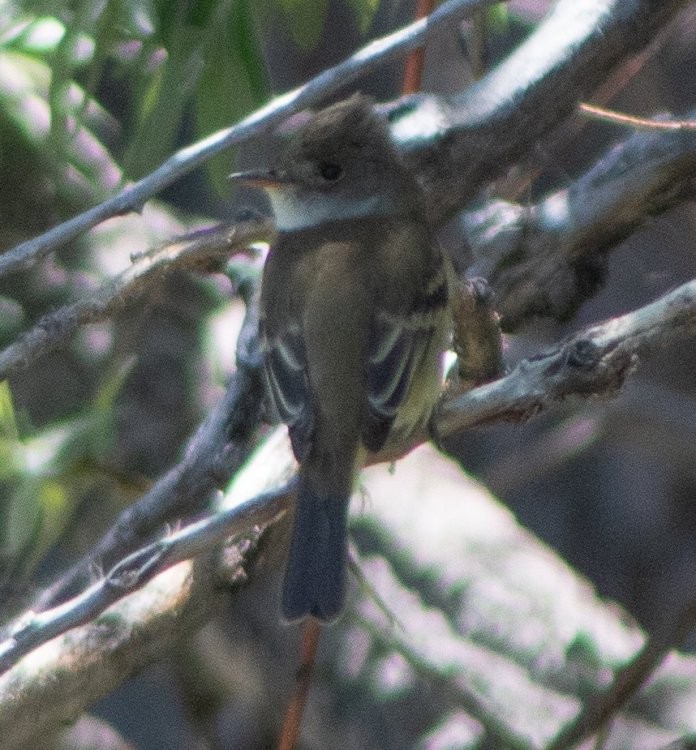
{"x": 294, "y": 211}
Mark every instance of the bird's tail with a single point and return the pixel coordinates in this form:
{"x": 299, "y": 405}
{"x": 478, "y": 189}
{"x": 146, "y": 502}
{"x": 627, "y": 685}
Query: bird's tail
{"x": 315, "y": 575}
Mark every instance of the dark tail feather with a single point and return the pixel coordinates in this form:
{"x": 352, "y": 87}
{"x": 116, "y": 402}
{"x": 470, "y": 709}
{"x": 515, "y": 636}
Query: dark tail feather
{"x": 315, "y": 576}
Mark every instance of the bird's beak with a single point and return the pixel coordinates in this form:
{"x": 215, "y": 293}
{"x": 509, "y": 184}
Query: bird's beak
{"x": 261, "y": 178}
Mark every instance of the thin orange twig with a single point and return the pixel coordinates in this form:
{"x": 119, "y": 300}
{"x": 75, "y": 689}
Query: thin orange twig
{"x": 413, "y": 65}
{"x": 311, "y": 630}
{"x": 639, "y": 123}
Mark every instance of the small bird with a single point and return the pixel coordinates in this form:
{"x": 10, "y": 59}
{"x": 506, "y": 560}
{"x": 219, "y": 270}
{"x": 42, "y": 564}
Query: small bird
{"x": 354, "y": 317}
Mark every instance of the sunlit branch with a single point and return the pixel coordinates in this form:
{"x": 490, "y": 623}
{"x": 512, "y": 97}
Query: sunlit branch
{"x": 594, "y": 362}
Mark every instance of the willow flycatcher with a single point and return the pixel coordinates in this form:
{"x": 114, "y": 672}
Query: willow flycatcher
{"x": 354, "y": 319}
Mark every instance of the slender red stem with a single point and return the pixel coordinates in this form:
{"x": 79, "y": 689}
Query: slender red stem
{"x": 413, "y": 66}
{"x": 292, "y": 720}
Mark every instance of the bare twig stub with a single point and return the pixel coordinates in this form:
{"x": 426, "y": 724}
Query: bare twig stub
{"x": 632, "y": 121}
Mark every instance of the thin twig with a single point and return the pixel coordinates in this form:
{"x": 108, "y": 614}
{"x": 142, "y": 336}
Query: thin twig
{"x": 218, "y": 447}
{"x": 292, "y": 721}
{"x": 133, "y": 572}
{"x": 548, "y": 257}
{"x": 54, "y": 328}
{"x": 413, "y": 64}
{"x": 599, "y": 710}
{"x": 459, "y": 143}
{"x": 637, "y": 123}
{"x": 592, "y": 362}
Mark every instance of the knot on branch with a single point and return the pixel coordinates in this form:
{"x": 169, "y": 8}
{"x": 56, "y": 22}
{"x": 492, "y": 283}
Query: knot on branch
{"x": 584, "y": 368}
{"x": 582, "y": 354}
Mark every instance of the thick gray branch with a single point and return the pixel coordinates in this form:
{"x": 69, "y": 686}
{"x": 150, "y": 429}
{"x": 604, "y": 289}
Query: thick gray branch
{"x": 593, "y": 362}
{"x": 55, "y": 683}
{"x": 548, "y": 257}
{"x": 496, "y": 626}
{"x": 459, "y": 144}
{"x": 133, "y": 572}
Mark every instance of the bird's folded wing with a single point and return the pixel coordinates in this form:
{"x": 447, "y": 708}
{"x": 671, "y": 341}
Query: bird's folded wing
{"x": 397, "y": 348}
{"x": 286, "y": 372}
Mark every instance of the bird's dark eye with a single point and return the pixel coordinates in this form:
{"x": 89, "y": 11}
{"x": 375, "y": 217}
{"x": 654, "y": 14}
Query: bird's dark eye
{"x": 330, "y": 171}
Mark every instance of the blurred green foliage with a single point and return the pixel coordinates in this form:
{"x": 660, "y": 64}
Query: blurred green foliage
{"x": 44, "y": 472}
{"x": 305, "y": 20}
{"x": 364, "y": 12}
{"x": 178, "y": 64}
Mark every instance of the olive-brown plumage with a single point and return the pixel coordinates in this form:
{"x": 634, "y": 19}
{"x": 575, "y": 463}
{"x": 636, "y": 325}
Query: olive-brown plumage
{"x": 354, "y": 317}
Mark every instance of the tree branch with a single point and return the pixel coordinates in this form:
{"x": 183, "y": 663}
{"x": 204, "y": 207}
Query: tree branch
{"x": 137, "y": 569}
{"x": 194, "y": 250}
{"x": 219, "y": 446}
{"x": 558, "y": 245}
{"x": 548, "y": 257}
{"x": 58, "y": 680}
{"x": 460, "y": 143}
{"x": 591, "y": 363}
{"x": 497, "y": 627}
{"x": 455, "y": 144}
{"x": 563, "y": 240}
{"x": 133, "y": 197}
{"x": 628, "y": 680}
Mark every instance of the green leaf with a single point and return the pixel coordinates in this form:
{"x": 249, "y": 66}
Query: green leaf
{"x": 246, "y": 48}
{"x": 305, "y": 19}
{"x": 45, "y": 475}
{"x": 8, "y": 423}
{"x": 82, "y": 167}
{"x": 163, "y": 102}
{"x": 40, "y": 36}
{"x": 498, "y": 18}
{"x": 364, "y": 11}
{"x": 107, "y": 393}
{"x": 233, "y": 83}
{"x": 37, "y": 514}
{"x": 12, "y": 319}
{"x": 10, "y": 460}
{"x": 135, "y": 18}
{"x": 21, "y": 520}
{"x": 10, "y": 445}
{"x": 64, "y": 449}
